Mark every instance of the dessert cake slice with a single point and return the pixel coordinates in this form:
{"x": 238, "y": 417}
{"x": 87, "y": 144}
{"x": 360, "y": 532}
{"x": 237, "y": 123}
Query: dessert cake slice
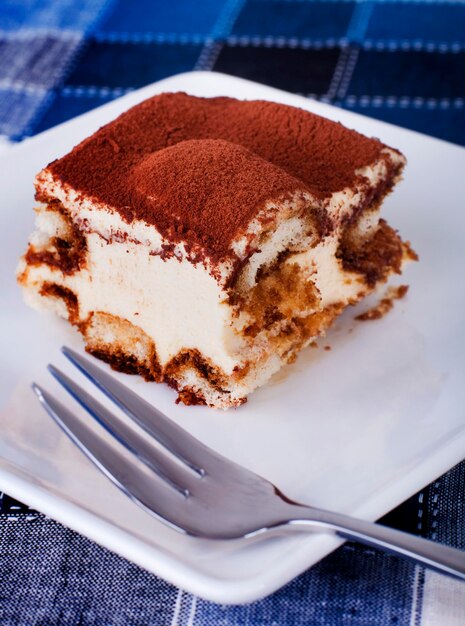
{"x": 204, "y": 242}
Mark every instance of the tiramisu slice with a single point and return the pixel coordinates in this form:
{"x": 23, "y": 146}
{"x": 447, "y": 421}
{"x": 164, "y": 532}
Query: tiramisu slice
{"x": 204, "y": 242}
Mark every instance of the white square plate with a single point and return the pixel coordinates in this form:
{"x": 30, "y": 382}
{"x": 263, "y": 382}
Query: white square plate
{"x": 356, "y": 429}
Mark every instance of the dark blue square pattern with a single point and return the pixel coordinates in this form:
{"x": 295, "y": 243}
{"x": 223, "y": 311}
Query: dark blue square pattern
{"x": 162, "y": 16}
{"x": 430, "y": 23}
{"x": 67, "y": 105}
{"x": 294, "y": 19}
{"x": 447, "y": 122}
{"x": 128, "y": 65}
{"x": 295, "y": 69}
{"x": 413, "y": 74}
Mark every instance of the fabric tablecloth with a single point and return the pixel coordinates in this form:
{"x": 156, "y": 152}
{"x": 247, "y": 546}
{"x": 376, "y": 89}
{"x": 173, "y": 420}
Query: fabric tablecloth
{"x": 400, "y": 61}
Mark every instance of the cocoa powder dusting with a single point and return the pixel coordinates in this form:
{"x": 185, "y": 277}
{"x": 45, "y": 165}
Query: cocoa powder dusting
{"x": 145, "y": 165}
{"x": 192, "y": 175}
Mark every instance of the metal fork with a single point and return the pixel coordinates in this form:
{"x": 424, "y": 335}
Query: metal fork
{"x": 196, "y": 490}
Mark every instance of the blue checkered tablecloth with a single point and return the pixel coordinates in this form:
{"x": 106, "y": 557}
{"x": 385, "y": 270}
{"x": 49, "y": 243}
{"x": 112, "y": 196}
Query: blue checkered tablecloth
{"x": 397, "y": 60}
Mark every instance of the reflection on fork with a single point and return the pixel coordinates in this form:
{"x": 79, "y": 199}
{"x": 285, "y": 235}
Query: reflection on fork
{"x": 197, "y": 491}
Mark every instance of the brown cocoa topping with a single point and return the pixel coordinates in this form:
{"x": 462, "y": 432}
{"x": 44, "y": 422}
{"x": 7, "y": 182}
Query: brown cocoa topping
{"x": 192, "y": 174}
{"x": 123, "y": 163}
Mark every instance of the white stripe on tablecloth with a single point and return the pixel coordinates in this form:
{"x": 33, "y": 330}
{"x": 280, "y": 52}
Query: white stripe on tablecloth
{"x": 177, "y": 608}
{"x": 190, "y": 621}
{"x": 416, "y": 598}
{"x": 443, "y": 601}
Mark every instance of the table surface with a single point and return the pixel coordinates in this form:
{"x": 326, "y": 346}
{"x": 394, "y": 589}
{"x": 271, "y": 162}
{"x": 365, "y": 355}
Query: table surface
{"x": 395, "y": 60}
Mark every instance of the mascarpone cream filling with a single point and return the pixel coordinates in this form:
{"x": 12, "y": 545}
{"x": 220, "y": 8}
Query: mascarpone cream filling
{"x": 178, "y": 304}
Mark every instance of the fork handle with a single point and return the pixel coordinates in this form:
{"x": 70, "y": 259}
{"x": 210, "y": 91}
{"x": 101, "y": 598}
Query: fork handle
{"x": 424, "y": 552}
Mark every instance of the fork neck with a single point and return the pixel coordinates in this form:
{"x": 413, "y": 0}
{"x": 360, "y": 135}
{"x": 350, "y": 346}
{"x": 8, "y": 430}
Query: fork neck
{"x": 433, "y": 555}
